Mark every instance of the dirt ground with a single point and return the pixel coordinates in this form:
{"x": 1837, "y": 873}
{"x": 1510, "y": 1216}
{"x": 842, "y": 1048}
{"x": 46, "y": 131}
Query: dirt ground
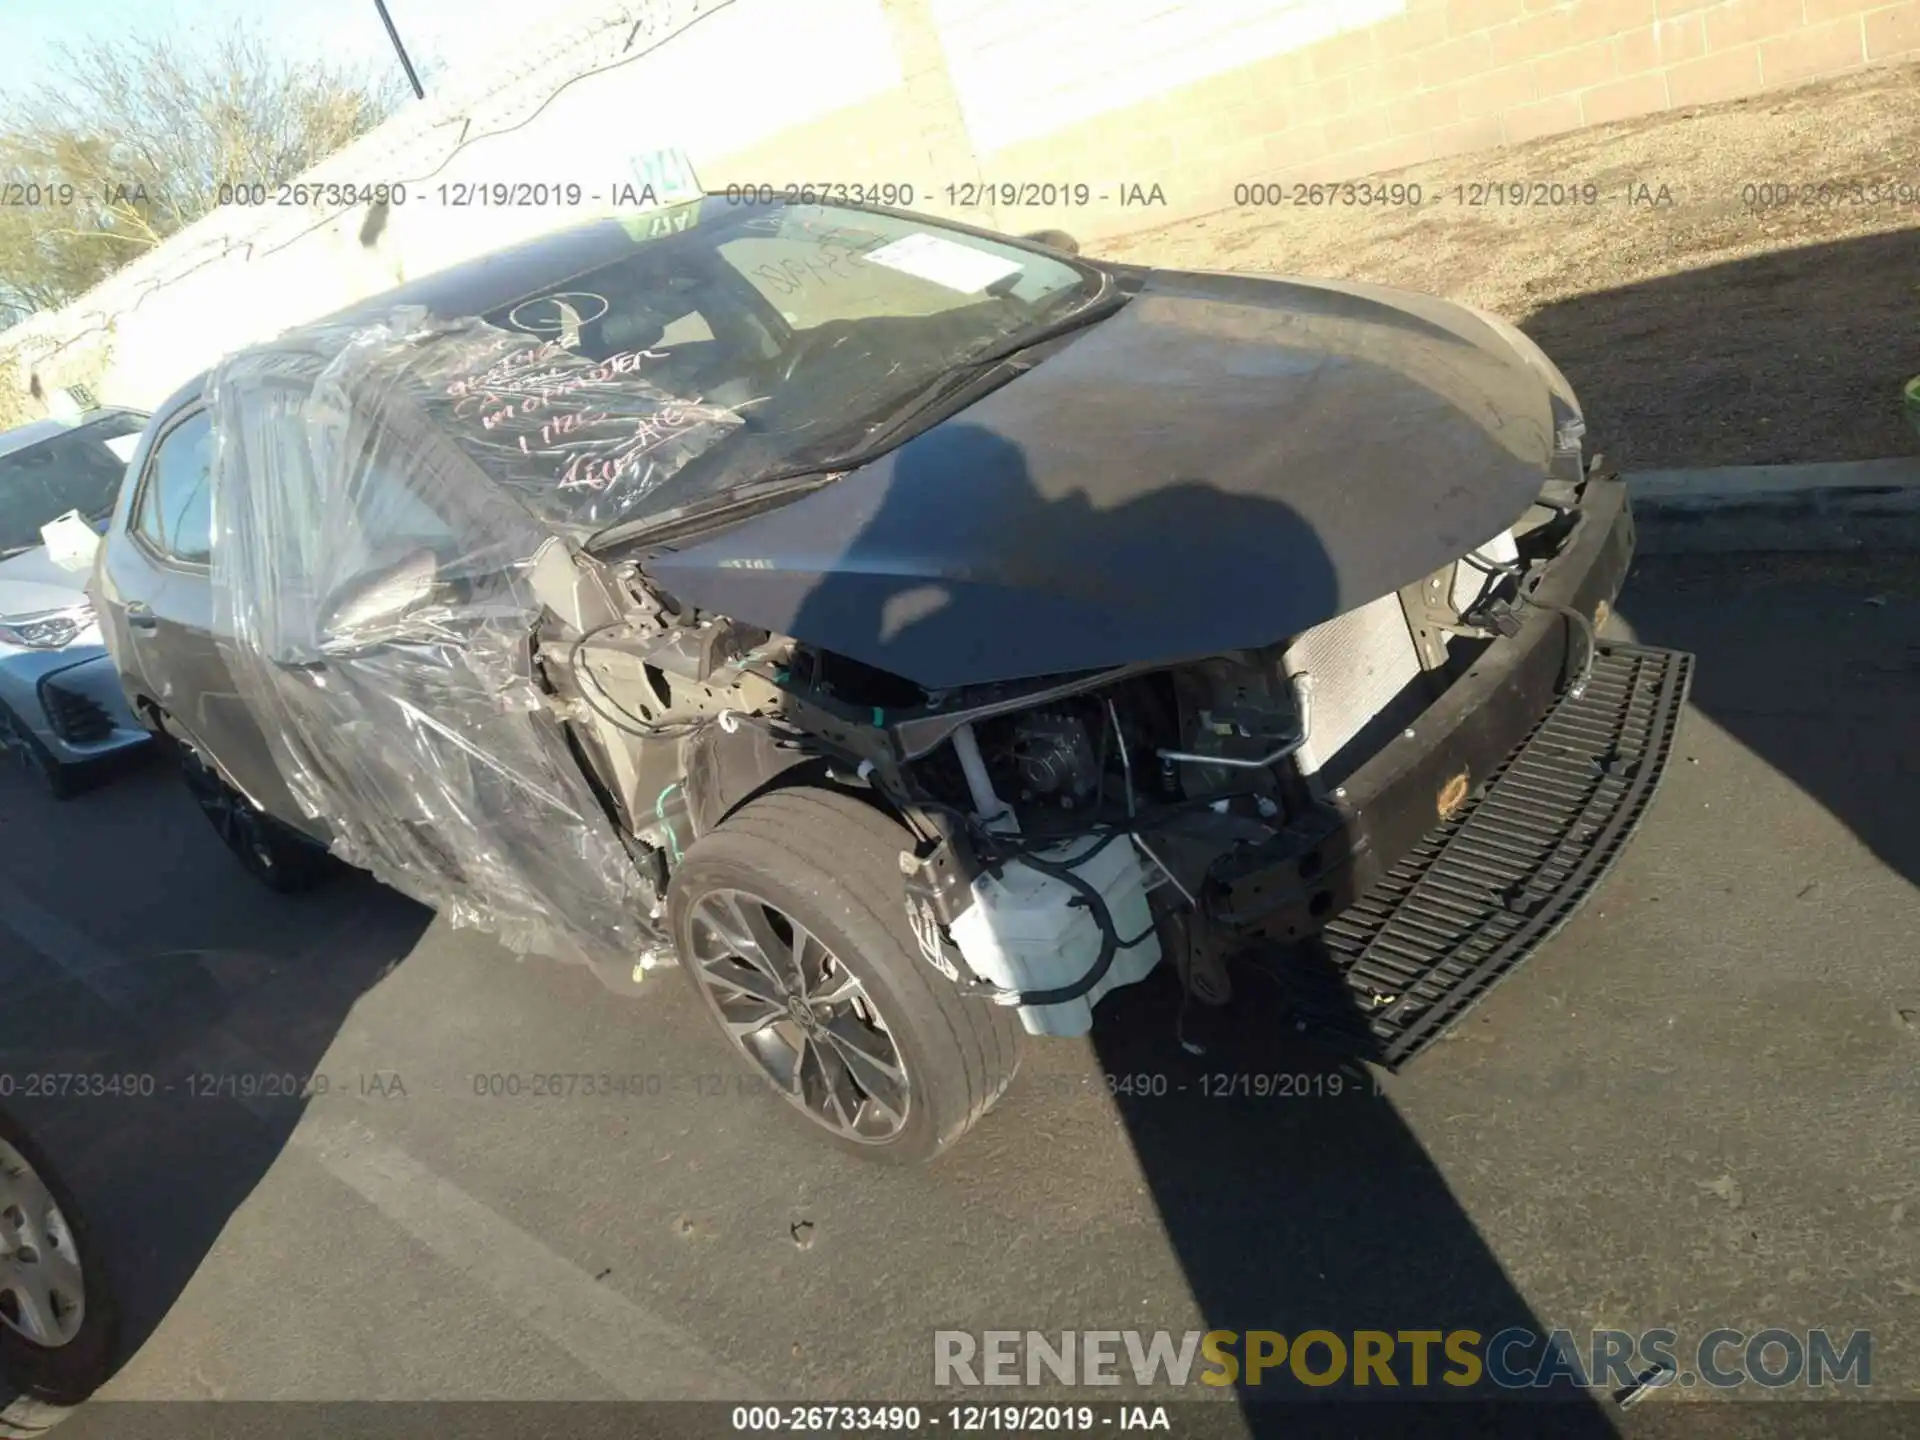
{"x": 1700, "y": 324}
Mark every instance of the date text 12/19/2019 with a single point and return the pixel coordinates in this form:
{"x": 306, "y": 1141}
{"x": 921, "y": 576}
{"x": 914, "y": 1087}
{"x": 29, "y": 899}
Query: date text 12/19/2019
{"x": 1471, "y": 195}
{"x": 960, "y": 195}
{"x": 957, "y": 1419}
{"x": 1333, "y": 1084}
{"x": 198, "y": 1085}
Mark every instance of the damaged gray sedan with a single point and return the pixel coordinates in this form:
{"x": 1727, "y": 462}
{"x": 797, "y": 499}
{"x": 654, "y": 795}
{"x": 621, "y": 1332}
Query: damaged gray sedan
{"x": 914, "y": 632}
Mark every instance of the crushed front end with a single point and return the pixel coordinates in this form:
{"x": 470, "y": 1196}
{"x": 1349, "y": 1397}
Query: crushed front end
{"x": 1396, "y": 806}
{"x": 531, "y": 730}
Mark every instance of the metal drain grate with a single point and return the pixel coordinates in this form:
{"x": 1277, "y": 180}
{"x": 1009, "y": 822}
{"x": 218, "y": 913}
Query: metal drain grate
{"x": 1480, "y": 893}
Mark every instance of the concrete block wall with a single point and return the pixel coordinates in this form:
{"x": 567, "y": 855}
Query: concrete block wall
{"x": 1170, "y": 102}
{"x": 1311, "y": 90}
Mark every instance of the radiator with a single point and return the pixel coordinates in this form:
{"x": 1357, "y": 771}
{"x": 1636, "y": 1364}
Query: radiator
{"x": 1361, "y": 663}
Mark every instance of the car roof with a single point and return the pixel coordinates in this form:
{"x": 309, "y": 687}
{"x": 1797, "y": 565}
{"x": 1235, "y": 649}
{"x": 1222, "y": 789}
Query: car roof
{"x": 485, "y": 283}
{"x": 35, "y": 432}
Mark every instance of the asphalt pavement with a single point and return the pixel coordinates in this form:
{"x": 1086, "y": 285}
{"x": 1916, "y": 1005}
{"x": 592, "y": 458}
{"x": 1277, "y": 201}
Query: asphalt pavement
{"x": 1696, "y": 1107}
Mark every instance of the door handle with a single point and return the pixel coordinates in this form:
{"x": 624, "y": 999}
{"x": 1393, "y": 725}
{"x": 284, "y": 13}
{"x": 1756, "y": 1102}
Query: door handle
{"x": 141, "y": 618}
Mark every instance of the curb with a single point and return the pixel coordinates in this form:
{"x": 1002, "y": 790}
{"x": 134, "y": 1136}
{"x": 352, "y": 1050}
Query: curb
{"x": 1849, "y": 505}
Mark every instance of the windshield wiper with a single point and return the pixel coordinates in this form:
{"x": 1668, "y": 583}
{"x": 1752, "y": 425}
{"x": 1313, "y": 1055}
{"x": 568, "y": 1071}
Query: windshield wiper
{"x": 1104, "y": 301}
{"x": 977, "y": 370}
{"x": 974, "y": 370}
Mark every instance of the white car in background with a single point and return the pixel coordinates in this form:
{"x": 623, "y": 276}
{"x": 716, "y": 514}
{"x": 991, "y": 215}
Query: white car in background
{"x": 61, "y": 705}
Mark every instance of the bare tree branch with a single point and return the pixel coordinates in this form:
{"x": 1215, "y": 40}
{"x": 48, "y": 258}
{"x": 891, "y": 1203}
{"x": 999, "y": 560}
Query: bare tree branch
{"x": 129, "y": 139}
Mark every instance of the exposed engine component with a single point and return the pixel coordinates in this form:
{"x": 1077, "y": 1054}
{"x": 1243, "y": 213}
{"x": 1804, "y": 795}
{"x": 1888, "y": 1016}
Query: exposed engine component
{"x": 1106, "y": 823}
{"x": 1053, "y": 758}
{"x": 1239, "y": 720}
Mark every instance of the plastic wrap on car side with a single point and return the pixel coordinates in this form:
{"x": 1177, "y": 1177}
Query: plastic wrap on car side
{"x": 380, "y": 497}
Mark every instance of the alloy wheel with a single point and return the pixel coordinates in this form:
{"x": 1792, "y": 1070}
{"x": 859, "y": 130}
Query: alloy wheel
{"x": 801, "y": 1016}
{"x": 42, "y": 1285}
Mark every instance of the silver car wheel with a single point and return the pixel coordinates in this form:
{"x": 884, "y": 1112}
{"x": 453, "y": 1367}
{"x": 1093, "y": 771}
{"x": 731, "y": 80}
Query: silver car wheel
{"x": 42, "y": 1286}
{"x": 802, "y": 1017}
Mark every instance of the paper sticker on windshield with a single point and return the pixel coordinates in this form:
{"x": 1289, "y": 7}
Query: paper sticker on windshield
{"x": 651, "y": 224}
{"x": 944, "y": 262}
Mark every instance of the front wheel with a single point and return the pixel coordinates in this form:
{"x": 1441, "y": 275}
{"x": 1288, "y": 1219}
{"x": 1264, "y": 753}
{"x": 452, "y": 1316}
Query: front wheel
{"x": 790, "y": 919}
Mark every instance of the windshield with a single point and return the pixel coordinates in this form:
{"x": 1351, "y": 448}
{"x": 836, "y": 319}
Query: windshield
{"x": 79, "y": 470}
{"x": 728, "y": 343}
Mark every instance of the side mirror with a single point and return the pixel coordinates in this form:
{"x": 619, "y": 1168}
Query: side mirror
{"x": 1054, "y": 240}
{"x": 364, "y": 611}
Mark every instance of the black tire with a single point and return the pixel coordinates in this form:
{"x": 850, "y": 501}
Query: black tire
{"x": 66, "y": 1374}
{"x": 832, "y": 863}
{"x": 275, "y": 854}
{"x": 61, "y": 781}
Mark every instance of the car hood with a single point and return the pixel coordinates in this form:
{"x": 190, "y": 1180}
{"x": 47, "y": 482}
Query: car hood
{"x": 31, "y": 582}
{"x": 1225, "y": 462}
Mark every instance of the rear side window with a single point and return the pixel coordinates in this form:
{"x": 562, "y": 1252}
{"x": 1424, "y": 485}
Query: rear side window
{"x": 376, "y": 510}
{"x": 175, "y": 508}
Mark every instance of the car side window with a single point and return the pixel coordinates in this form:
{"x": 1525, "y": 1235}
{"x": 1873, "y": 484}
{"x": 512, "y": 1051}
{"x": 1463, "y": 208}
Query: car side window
{"x": 389, "y": 506}
{"x": 175, "y": 511}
